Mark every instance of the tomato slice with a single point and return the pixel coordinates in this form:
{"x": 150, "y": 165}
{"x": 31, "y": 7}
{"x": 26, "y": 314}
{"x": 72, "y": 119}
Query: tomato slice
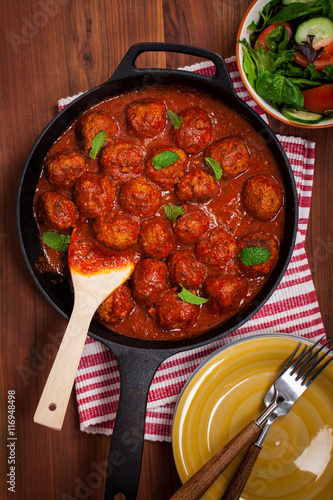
{"x": 319, "y": 99}
{"x": 263, "y": 34}
{"x": 323, "y": 60}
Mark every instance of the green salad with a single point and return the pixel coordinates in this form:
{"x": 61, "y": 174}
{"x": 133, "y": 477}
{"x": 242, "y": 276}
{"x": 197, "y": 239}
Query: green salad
{"x": 289, "y": 59}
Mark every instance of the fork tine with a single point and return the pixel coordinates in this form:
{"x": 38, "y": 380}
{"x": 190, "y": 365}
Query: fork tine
{"x": 320, "y": 369}
{"x": 290, "y": 359}
{"x": 311, "y": 362}
{"x": 304, "y": 356}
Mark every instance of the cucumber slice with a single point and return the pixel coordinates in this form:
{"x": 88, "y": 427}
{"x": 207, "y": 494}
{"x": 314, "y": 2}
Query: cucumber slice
{"x": 301, "y": 116}
{"x": 320, "y": 27}
{"x": 309, "y": 2}
{"x": 288, "y": 2}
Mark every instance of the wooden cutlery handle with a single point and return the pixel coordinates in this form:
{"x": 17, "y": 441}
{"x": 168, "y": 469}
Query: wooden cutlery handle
{"x": 53, "y": 402}
{"x": 195, "y": 487}
{"x": 239, "y": 480}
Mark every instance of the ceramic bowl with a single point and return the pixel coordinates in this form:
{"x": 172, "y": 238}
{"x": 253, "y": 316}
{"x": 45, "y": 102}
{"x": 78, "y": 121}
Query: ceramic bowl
{"x": 253, "y": 14}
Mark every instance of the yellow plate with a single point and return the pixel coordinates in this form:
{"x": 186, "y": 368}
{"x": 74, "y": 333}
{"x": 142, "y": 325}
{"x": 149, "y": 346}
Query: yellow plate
{"x": 226, "y": 392}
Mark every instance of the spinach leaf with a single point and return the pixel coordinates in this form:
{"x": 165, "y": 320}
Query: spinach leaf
{"x": 295, "y": 10}
{"x": 277, "y": 39}
{"x": 279, "y": 89}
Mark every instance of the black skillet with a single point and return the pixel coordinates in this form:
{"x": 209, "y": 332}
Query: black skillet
{"x": 138, "y": 360}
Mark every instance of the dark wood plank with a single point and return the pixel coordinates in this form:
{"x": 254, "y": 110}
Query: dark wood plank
{"x": 56, "y": 48}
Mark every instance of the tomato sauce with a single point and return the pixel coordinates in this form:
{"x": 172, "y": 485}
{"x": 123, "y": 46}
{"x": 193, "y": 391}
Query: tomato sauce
{"x": 225, "y": 210}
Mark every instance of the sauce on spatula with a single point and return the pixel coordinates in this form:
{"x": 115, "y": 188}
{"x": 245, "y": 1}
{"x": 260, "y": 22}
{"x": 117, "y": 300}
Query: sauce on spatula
{"x": 95, "y": 274}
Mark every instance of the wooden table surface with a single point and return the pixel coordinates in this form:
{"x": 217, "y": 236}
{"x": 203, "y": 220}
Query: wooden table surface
{"x": 57, "y": 48}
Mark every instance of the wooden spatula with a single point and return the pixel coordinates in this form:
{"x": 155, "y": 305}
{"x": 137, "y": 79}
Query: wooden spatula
{"x": 95, "y": 274}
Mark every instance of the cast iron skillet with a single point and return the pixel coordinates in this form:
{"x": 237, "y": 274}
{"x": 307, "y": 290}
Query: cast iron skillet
{"x": 138, "y": 360}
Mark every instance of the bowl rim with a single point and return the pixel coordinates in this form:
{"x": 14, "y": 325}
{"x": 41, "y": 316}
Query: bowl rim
{"x": 239, "y": 58}
{"x": 233, "y": 343}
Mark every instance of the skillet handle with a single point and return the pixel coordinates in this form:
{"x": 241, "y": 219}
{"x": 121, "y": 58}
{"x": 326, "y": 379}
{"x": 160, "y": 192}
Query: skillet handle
{"x": 137, "y": 370}
{"x": 127, "y": 67}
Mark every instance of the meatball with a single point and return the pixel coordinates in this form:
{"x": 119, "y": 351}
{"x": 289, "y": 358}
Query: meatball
{"x": 64, "y": 168}
{"x": 116, "y": 231}
{"x": 139, "y": 197}
{"x": 172, "y": 313}
{"x": 185, "y": 269}
{"x": 225, "y": 292}
{"x": 121, "y": 157}
{"x": 149, "y": 280}
{"x": 262, "y": 197}
{"x": 116, "y": 306}
{"x": 92, "y": 124}
{"x": 56, "y": 211}
{"x": 196, "y": 131}
{"x": 217, "y": 248}
{"x": 166, "y": 177}
{"x": 146, "y": 118}
{"x": 259, "y": 240}
{"x": 197, "y": 185}
{"x": 94, "y": 194}
{"x": 156, "y": 238}
{"x": 231, "y": 153}
{"x": 190, "y": 227}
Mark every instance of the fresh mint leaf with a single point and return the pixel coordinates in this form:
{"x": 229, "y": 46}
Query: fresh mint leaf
{"x": 251, "y": 256}
{"x": 164, "y": 159}
{"x": 173, "y": 212}
{"x": 97, "y": 143}
{"x": 57, "y": 241}
{"x": 215, "y": 166}
{"x": 190, "y": 297}
{"x": 176, "y": 120}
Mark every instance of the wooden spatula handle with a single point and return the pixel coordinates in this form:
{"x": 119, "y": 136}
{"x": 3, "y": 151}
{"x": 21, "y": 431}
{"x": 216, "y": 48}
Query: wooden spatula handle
{"x": 239, "y": 480}
{"x": 53, "y": 403}
{"x": 195, "y": 487}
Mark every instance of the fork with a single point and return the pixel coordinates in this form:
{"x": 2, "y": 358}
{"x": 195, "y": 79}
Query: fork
{"x": 294, "y": 378}
{"x": 303, "y": 375}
